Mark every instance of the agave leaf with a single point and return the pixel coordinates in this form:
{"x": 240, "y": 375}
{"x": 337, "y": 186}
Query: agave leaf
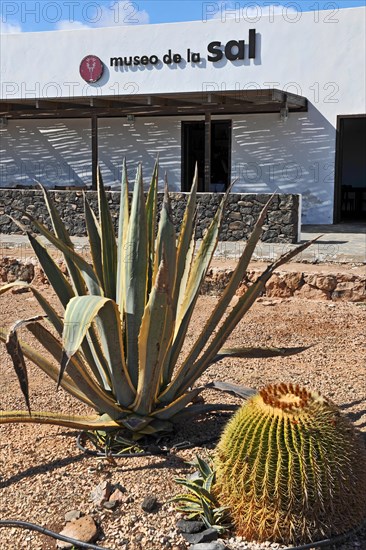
{"x": 50, "y": 312}
{"x": 15, "y": 351}
{"x": 197, "y": 274}
{"x": 229, "y": 291}
{"x": 136, "y": 423}
{"x": 57, "y": 224}
{"x": 202, "y": 259}
{"x": 208, "y": 517}
{"x": 96, "y": 359}
{"x": 10, "y": 286}
{"x": 90, "y": 346}
{"x": 200, "y": 492}
{"x": 92, "y": 422}
{"x": 209, "y": 481}
{"x": 151, "y": 215}
{"x": 44, "y": 303}
{"x": 108, "y": 241}
{"x": 156, "y": 426}
{"x": 136, "y": 263}
{"x": 62, "y": 234}
{"x": 187, "y": 270}
{"x": 154, "y": 341}
{"x": 122, "y": 236}
{"x": 176, "y": 406}
{"x": 94, "y": 232}
{"x": 185, "y": 240}
{"x": 49, "y": 368}
{"x": 79, "y": 315}
{"x": 166, "y": 241}
{"x": 166, "y": 245}
{"x": 60, "y": 284}
{"x": 91, "y": 392}
{"x": 192, "y": 502}
{"x": 234, "y": 389}
{"x": 72, "y": 257}
{"x": 204, "y": 468}
{"x": 233, "y": 318}
{"x": 65, "y": 292}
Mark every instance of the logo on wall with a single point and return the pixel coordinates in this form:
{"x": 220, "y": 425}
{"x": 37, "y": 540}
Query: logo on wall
{"x": 91, "y": 69}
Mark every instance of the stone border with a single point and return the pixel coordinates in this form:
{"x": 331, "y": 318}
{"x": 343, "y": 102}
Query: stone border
{"x": 242, "y": 210}
{"x": 334, "y": 287}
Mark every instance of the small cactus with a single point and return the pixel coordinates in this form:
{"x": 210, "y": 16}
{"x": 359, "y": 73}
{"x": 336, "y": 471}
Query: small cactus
{"x": 291, "y": 468}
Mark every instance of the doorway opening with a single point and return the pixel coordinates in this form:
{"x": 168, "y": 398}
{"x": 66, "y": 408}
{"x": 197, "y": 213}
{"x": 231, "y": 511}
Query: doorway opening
{"x": 350, "y": 188}
{"x": 193, "y": 151}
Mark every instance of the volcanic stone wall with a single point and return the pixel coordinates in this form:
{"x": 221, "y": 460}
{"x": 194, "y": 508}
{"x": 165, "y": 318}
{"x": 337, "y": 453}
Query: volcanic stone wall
{"x": 240, "y": 214}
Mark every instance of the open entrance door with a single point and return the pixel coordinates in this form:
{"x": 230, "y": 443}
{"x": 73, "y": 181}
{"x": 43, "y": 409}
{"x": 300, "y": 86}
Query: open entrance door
{"x": 193, "y": 151}
{"x": 350, "y": 191}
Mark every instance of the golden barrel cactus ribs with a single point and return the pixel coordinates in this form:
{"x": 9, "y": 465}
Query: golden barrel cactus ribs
{"x": 291, "y": 468}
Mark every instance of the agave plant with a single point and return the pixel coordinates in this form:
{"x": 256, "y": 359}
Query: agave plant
{"x": 125, "y": 316}
{"x": 200, "y": 502}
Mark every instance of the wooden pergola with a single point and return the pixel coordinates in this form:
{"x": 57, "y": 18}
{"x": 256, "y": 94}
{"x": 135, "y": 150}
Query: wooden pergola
{"x": 207, "y": 104}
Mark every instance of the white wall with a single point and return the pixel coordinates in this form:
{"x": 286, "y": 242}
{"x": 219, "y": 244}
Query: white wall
{"x": 140, "y": 141}
{"x": 293, "y": 157}
{"x": 55, "y": 152}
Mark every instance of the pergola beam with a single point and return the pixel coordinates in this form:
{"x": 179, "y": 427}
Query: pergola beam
{"x": 196, "y": 103}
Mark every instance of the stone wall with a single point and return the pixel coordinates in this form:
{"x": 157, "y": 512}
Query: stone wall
{"x": 240, "y": 215}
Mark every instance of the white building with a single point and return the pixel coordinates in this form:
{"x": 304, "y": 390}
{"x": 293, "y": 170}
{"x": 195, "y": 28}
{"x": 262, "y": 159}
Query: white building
{"x": 277, "y": 102}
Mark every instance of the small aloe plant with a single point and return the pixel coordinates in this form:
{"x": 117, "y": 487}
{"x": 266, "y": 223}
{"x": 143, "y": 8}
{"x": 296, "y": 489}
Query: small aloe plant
{"x": 199, "y": 502}
{"x": 125, "y": 317}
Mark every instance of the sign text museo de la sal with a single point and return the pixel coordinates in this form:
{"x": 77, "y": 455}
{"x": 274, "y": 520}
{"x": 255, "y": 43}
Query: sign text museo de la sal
{"x": 233, "y": 50}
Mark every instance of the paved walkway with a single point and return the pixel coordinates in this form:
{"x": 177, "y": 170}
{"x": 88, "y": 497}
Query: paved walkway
{"x": 339, "y": 244}
{"x": 343, "y": 243}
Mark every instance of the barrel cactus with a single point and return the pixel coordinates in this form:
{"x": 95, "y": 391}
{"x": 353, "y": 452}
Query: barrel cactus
{"x": 291, "y": 468}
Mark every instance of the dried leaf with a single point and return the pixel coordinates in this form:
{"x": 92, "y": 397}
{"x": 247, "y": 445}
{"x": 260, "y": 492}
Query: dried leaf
{"x": 15, "y": 351}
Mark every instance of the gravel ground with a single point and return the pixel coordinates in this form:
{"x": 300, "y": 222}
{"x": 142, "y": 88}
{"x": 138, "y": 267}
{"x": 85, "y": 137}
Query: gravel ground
{"x": 43, "y": 475}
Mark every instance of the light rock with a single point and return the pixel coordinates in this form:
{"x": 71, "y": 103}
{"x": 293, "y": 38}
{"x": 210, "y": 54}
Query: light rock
{"x": 235, "y": 216}
{"x": 350, "y": 292}
{"x": 83, "y": 529}
{"x": 101, "y": 493}
{"x": 293, "y": 280}
{"x": 277, "y": 287}
{"x": 240, "y": 292}
{"x": 312, "y": 293}
{"x": 216, "y": 545}
{"x": 117, "y": 496}
{"x": 73, "y": 514}
{"x": 236, "y": 225}
{"x": 324, "y": 282}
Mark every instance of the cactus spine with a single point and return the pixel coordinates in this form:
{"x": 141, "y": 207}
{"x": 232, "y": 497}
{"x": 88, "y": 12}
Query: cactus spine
{"x": 291, "y": 468}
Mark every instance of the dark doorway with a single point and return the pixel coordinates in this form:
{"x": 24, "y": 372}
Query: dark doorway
{"x": 193, "y": 151}
{"x": 350, "y": 191}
